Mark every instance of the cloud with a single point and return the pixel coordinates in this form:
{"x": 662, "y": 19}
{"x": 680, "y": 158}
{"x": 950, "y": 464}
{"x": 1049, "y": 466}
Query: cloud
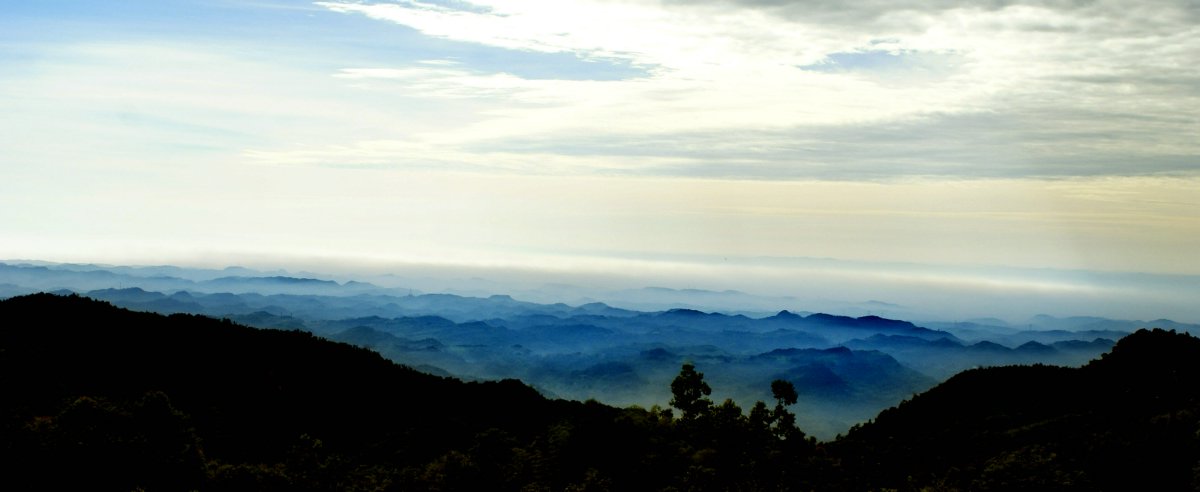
{"x": 550, "y": 27}
{"x": 730, "y": 89}
{"x": 518, "y": 131}
{"x": 813, "y": 89}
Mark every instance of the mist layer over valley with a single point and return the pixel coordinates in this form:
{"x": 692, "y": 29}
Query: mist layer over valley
{"x": 845, "y": 368}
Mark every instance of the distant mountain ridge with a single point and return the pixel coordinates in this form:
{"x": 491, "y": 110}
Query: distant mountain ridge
{"x": 570, "y": 351}
{"x": 17, "y": 278}
{"x": 128, "y": 400}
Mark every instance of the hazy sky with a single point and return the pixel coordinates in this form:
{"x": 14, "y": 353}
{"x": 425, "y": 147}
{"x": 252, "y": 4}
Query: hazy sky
{"x": 656, "y": 137}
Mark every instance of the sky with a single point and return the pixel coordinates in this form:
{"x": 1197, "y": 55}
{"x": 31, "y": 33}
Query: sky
{"x": 933, "y": 152}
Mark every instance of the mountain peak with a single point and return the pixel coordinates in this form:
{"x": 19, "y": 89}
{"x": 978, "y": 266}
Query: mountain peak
{"x": 1154, "y": 350}
{"x": 684, "y": 312}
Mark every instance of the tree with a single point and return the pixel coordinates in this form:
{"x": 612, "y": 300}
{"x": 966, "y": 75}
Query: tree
{"x": 784, "y": 392}
{"x": 690, "y": 393}
{"x": 785, "y": 421}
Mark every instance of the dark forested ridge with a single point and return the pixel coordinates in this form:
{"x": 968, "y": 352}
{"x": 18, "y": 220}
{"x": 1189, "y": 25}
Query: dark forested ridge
{"x": 1127, "y": 421}
{"x": 231, "y": 395}
{"x": 102, "y": 398}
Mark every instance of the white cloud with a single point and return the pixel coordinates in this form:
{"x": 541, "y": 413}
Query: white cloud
{"x": 1094, "y": 80}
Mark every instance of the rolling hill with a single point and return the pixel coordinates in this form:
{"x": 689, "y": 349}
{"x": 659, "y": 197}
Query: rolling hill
{"x": 126, "y": 400}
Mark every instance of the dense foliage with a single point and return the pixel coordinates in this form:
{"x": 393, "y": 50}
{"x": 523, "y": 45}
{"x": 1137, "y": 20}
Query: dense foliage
{"x": 101, "y": 398}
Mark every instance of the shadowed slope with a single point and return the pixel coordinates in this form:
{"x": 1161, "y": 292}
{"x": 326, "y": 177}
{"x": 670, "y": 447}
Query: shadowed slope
{"x": 249, "y": 393}
{"x": 1127, "y": 421}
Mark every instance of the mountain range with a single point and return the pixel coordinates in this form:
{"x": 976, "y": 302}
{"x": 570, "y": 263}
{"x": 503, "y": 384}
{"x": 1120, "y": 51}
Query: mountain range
{"x": 129, "y": 400}
{"x": 849, "y": 368}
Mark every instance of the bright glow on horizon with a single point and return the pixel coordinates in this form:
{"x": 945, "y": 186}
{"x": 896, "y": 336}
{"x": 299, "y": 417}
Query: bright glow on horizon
{"x": 1122, "y": 224}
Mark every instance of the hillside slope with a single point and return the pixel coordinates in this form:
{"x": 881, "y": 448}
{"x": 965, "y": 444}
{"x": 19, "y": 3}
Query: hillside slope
{"x": 137, "y": 392}
{"x": 1127, "y": 421}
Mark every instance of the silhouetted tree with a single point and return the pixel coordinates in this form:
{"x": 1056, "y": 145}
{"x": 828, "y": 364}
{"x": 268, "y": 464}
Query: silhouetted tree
{"x": 690, "y": 393}
{"x": 785, "y": 421}
{"x": 784, "y": 392}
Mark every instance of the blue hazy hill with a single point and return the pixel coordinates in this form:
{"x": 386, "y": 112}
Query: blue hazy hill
{"x": 593, "y": 350}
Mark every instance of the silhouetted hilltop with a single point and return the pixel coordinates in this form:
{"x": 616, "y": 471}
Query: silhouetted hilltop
{"x": 846, "y": 327}
{"x": 249, "y": 396}
{"x": 1128, "y": 421}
